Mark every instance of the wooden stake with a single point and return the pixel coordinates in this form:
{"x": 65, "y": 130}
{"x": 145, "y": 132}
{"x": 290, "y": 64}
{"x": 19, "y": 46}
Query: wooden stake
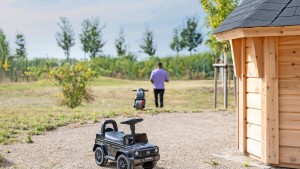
{"x": 216, "y": 84}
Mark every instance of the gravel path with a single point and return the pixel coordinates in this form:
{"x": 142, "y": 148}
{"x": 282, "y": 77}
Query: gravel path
{"x": 186, "y": 141}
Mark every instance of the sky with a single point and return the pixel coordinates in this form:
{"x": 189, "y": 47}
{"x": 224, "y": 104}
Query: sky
{"x": 38, "y": 21}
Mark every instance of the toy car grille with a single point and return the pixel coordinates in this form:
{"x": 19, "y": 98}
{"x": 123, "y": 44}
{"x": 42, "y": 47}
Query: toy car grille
{"x": 148, "y": 152}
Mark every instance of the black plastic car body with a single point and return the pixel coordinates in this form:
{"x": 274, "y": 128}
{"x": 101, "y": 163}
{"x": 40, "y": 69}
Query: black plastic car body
{"x": 127, "y": 150}
{"x": 140, "y": 101}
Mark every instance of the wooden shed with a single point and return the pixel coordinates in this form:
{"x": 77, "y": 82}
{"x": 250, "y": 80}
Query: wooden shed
{"x": 265, "y": 43}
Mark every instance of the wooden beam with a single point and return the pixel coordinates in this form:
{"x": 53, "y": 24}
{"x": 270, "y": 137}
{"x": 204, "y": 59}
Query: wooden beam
{"x": 242, "y": 100}
{"x": 271, "y": 31}
{"x": 231, "y": 34}
{"x": 270, "y": 118}
{"x": 258, "y": 32}
{"x": 236, "y": 50}
{"x": 257, "y": 56}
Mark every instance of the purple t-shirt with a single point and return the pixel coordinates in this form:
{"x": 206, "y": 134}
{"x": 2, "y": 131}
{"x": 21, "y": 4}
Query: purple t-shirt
{"x": 159, "y": 76}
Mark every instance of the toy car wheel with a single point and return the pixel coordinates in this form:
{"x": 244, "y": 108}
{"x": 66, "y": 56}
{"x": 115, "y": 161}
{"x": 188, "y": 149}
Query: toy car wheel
{"x": 139, "y": 104}
{"x": 123, "y": 162}
{"x": 149, "y": 165}
{"x": 99, "y": 157}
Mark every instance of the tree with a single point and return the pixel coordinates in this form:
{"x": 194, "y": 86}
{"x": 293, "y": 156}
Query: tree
{"x": 217, "y": 11}
{"x": 120, "y": 43}
{"x": 21, "y": 48}
{"x": 65, "y": 39}
{"x": 91, "y": 37}
{"x": 147, "y": 45}
{"x": 4, "y": 54}
{"x": 20, "y": 57}
{"x": 176, "y": 44}
{"x": 191, "y": 37}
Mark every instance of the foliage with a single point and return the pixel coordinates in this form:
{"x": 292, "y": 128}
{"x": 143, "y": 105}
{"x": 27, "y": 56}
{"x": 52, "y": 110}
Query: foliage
{"x": 190, "y": 34}
{"x": 217, "y": 11}
{"x": 39, "y": 68}
{"x": 197, "y": 66}
{"x": 4, "y": 54}
{"x": 17, "y": 68}
{"x": 34, "y": 73}
{"x": 176, "y": 44}
{"x": 21, "y": 48}
{"x": 147, "y": 45}
{"x": 73, "y": 81}
{"x": 65, "y": 39}
{"x": 91, "y": 37}
{"x": 120, "y": 43}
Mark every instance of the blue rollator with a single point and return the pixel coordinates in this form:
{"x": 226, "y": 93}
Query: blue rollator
{"x": 140, "y": 101}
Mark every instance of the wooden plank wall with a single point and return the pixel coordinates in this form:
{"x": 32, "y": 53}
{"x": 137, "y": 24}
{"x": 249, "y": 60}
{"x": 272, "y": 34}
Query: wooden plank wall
{"x": 253, "y": 102}
{"x": 289, "y": 100}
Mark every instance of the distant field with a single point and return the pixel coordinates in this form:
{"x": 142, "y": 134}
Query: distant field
{"x": 32, "y": 108}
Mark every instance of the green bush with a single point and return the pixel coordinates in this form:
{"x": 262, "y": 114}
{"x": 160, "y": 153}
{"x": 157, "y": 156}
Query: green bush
{"x": 73, "y": 81}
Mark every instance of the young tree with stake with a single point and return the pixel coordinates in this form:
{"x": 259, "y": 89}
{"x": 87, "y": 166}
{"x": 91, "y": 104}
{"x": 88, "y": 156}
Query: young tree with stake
{"x": 65, "y": 39}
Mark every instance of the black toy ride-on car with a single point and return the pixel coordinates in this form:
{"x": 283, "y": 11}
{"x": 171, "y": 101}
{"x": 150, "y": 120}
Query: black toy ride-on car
{"x": 128, "y": 150}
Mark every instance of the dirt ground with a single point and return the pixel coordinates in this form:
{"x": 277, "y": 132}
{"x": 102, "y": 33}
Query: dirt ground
{"x": 186, "y": 141}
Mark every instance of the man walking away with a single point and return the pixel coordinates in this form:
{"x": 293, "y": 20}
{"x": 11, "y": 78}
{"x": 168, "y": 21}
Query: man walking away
{"x": 158, "y": 78}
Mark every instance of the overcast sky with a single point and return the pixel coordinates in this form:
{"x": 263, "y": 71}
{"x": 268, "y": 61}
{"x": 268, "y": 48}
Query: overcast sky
{"x": 37, "y": 20}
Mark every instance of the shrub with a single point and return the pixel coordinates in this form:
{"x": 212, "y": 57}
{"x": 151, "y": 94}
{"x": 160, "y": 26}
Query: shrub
{"x": 73, "y": 81}
{"x": 29, "y": 139}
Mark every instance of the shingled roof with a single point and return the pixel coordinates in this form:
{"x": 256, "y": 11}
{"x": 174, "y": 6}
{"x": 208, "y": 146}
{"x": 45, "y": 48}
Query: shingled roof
{"x": 262, "y": 13}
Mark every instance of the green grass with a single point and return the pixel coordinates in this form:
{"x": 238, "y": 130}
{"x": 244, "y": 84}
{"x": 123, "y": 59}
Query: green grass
{"x": 31, "y": 108}
{"x": 1, "y": 157}
{"x": 246, "y": 164}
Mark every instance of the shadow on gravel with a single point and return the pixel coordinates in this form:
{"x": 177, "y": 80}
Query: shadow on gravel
{"x": 6, "y": 163}
{"x": 114, "y": 165}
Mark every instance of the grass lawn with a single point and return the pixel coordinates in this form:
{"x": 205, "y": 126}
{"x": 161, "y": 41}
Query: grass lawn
{"x": 32, "y": 108}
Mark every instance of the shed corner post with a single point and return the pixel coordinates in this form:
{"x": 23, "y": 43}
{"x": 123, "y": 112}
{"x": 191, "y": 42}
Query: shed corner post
{"x": 237, "y": 50}
{"x": 239, "y": 61}
{"x": 270, "y": 110}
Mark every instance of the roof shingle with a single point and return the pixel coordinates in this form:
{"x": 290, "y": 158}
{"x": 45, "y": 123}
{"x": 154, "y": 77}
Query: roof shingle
{"x": 262, "y": 13}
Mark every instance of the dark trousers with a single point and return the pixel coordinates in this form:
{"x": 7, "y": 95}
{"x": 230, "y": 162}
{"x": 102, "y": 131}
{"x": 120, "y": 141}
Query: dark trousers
{"x": 161, "y": 97}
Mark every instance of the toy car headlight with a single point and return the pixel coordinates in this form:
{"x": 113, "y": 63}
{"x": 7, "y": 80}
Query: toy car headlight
{"x": 156, "y": 150}
{"x": 136, "y": 153}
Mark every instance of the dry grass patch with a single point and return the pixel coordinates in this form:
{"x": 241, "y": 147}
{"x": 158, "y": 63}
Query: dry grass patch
{"x": 31, "y": 109}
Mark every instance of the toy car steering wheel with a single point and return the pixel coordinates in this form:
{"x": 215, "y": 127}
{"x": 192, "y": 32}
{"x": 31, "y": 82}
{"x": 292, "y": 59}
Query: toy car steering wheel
{"x": 132, "y": 121}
